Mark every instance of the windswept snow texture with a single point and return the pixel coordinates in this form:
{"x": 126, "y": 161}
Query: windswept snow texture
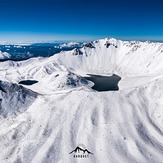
{"x": 46, "y": 121}
{"x": 14, "y": 99}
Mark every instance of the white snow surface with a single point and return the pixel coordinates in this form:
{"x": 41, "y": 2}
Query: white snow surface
{"x": 4, "y": 55}
{"x": 44, "y": 122}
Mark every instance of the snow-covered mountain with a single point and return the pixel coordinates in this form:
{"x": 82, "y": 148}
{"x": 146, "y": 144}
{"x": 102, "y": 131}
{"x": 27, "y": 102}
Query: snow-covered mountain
{"x": 45, "y": 121}
{"x": 24, "y": 51}
{"x": 14, "y": 99}
{"x": 71, "y": 45}
{"x": 4, "y": 55}
{"x": 114, "y": 56}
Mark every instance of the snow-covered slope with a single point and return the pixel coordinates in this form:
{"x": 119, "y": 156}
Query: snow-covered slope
{"x": 14, "y": 99}
{"x": 115, "y": 56}
{"x": 44, "y": 122}
{"x": 137, "y": 63}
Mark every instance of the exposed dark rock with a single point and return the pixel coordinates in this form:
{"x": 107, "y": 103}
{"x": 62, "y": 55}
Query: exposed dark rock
{"x": 89, "y": 45}
{"x": 77, "y": 52}
{"x": 108, "y": 44}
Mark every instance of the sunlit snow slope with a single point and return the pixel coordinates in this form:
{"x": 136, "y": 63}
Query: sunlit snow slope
{"x": 44, "y": 122}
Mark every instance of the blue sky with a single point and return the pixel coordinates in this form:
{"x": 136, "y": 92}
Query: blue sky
{"x": 39, "y": 20}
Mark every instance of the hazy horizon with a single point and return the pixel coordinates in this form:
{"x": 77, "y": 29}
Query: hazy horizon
{"x": 46, "y": 39}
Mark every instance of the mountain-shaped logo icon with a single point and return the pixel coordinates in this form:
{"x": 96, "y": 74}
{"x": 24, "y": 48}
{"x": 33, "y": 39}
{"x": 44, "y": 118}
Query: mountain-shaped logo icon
{"x": 78, "y": 150}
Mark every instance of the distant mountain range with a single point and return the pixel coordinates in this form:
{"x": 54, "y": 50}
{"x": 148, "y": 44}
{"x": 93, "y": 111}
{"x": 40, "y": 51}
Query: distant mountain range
{"x": 20, "y": 51}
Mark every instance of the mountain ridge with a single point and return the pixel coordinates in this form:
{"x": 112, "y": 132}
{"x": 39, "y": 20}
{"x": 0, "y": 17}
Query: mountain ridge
{"x": 41, "y": 122}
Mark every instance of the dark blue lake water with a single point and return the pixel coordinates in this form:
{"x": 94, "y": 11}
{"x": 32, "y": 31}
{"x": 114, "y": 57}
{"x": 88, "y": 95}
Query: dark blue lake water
{"x": 28, "y": 82}
{"x": 104, "y": 83}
